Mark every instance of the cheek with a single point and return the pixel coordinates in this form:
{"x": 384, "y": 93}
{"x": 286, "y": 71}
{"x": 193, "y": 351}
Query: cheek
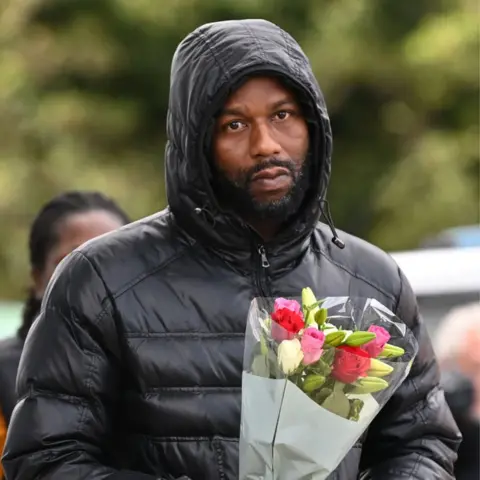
{"x": 296, "y": 141}
{"x": 41, "y": 281}
{"x": 46, "y": 276}
{"x": 305, "y": 141}
{"x": 228, "y": 156}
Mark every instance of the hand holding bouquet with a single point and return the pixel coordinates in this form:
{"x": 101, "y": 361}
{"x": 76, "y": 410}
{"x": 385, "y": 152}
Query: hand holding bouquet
{"x": 316, "y": 374}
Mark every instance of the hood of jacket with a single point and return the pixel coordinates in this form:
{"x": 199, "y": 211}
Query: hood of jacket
{"x": 208, "y": 65}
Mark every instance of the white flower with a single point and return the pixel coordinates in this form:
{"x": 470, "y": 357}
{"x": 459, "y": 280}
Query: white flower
{"x": 290, "y": 355}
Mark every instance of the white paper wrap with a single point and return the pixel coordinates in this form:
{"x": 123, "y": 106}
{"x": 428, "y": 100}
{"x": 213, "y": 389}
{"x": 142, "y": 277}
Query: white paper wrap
{"x": 278, "y": 444}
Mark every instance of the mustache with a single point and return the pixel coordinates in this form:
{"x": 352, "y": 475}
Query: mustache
{"x": 271, "y": 162}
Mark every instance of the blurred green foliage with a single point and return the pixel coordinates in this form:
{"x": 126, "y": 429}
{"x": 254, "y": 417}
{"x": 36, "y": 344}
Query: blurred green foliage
{"x": 84, "y": 90}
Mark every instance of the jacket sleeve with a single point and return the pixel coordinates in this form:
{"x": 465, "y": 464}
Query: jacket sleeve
{"x": 414, "y": 436}
{"x": 67, "y": 384}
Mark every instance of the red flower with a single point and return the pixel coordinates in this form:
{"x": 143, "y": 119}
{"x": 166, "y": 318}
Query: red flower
{"x": 290, "y": 322}
{"x": 350, "y": 364}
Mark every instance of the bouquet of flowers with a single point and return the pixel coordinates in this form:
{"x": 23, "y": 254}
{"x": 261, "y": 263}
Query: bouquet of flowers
{"x": 316, "y": 373}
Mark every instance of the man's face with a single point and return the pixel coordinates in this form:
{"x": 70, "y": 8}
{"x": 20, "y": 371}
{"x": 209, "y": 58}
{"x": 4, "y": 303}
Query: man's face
{"x": 260, "y": 147}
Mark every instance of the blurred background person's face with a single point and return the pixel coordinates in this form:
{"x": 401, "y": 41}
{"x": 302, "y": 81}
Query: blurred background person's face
{"x": 468, "y": 361}
{"x": 64, "y": 223}
{"x": 457, "y": 344}
{"x": 71, "y": 232}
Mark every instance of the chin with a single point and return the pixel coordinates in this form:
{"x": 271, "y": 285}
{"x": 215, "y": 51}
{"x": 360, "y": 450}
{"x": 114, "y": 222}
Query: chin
{"x": 271, "y": 198}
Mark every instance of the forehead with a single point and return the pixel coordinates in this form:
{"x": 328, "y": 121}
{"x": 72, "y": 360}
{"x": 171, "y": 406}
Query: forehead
{"x": 260, "y": 90}
{"x": 78, "y": 228}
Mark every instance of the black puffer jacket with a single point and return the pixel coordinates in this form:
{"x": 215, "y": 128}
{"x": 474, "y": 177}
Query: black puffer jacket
{"x": 10, "y": 352}
{"x": 135, "y": 362}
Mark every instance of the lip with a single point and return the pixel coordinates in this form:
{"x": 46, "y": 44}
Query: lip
{"x": 270, "y": 173}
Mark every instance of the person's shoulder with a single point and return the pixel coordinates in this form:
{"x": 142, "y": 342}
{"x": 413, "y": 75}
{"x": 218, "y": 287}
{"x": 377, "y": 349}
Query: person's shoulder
{"x": 10, "y": 349}
{"x": 360, "y": 259}
{"x": 110, "y": 263}
{"x": 135, "y": 250}
{"x": 135, "y": 238}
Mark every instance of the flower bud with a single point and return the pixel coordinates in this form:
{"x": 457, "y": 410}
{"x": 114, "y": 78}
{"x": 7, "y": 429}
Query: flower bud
{"x": 356, "y": 339}
{"x": 310, "y": 305}
{"x": 321, "y": 316}
{"x": 379, "y": 369}
{"x": 313, "y": 382}
{"x": 391, "y": 351}
{"x": 368, "y": 385}
{"x": 335, "y": 338}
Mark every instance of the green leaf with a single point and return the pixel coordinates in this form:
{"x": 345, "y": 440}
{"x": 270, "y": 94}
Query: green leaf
{"x": 321, "y": 368}
{"x": 314, "y": 305}
{"x": 260, "y": 366}
{"x": 263, "y": 345}
{"x": 356, "y": 406}
{"x": 322, "y": 394}
{"x": 337, "y": 403}
{"x": 274, "y": 368}
{"x": 328, "y": 356}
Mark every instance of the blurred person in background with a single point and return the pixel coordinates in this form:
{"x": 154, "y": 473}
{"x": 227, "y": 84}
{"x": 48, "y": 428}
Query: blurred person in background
{"x": 63, "y": 224}
{"x": 457, "y": 345}
{"x": 134, "y": 367}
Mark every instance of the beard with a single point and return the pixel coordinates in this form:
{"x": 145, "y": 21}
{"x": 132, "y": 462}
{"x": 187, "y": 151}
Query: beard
{"x": 235, "y": 193}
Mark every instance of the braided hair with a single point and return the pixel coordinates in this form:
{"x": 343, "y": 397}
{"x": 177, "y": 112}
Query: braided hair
{"x": 44, "y": 235}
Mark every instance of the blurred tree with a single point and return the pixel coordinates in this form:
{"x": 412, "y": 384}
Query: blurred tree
{"x": 84, "y": 90}
{"x": 436, "y": 181}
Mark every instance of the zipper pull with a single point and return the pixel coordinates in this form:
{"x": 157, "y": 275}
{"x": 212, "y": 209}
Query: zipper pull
{"x": 263, "y": 256}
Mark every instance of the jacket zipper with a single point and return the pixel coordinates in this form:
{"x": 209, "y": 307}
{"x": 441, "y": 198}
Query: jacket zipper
{"x": 260, "y": 273}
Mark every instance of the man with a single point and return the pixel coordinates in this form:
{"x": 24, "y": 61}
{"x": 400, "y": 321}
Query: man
{"x": 460, "y": 362}
{"x": 463, "y": 355}
{"x": 135, "y": 363}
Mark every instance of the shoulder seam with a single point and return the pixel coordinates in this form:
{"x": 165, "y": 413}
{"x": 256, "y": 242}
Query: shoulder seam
{"x": 104, "y": 302}
{"x": 359, "y": 277}
{"x": 132, "y": 282}
{"x": 135, "y": 280}
{"x": 150, "y": 272}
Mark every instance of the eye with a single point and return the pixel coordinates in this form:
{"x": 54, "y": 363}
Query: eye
{"x": 282, "y": 115}
{"x": 234, "y": 126}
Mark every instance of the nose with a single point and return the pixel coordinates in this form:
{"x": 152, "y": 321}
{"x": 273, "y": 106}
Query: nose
{"x": 263, "y": 143}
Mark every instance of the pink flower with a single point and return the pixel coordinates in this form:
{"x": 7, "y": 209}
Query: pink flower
{"x": 375, "y": 346}
{"x": 292, "y": 305}
{"x": 312, "y": 343}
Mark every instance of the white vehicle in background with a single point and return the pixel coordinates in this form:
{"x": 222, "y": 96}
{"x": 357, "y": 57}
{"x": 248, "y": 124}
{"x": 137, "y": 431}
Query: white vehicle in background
{"x": 10, "y": 318}
{"x": 442, "y": 279}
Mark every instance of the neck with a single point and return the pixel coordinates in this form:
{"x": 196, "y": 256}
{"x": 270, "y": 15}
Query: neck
{"x": 266, "y": 229}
